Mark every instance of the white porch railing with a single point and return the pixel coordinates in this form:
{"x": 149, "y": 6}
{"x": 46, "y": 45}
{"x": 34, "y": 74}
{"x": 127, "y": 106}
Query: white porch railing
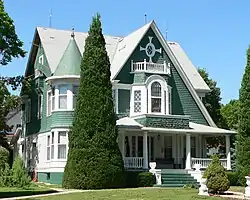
{"x": 150, "y": 67}
{"x": 133, "y": 162}
{"x": 204, "y": 162}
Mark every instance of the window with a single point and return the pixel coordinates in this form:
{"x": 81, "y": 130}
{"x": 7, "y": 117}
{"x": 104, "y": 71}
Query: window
{"x": 52, "y": 145}
{"x": 75, "y": 92}
{"x": 114, "y": 100}
{"x": 40, "y": 59}
{"x": 62, "y": 144}
{"x": 49, "y": 99}
{"x": 63, "y": 96}
{"x": 169, "y": 101}
{"x": 137, "y": 101}
{"x": 28, "y": 111}
{"x": 48, "y": 147}
{"x": 39, "y": 109}
{"x": 156, "y": 97}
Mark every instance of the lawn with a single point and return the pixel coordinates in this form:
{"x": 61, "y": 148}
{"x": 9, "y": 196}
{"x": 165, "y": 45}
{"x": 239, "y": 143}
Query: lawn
{"x": 132, "y": 194}
{"x": 6, "y": 192}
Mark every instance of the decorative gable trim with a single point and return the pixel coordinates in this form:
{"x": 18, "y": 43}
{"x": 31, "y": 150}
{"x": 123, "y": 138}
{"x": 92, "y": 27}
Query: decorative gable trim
{"x": 183, "y": 75}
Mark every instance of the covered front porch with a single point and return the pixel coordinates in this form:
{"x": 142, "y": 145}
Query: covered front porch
{"x": 171, "y": 148}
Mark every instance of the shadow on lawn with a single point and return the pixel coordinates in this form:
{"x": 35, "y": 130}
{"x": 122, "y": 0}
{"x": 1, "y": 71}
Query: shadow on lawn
{"x": 24, "y": 193}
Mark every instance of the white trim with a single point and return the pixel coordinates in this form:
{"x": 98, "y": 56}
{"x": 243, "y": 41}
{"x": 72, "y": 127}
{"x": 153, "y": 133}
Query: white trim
{"x": 116, "y": 101}
{"x": 62, "y": 77}
{"x": 123, "y": 86}
{"x": 41, "y": 59}
{"x": 47, "y": 103}
{"x": 164, "y": 87}
{"x": 182, "y": 74}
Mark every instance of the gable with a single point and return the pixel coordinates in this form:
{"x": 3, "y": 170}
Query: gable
{"x": 44, "y": 65}
{"x": 183, "y": 101}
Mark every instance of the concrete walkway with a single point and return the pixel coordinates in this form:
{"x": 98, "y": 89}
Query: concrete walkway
{"x": 59, "y": 192}
{"x": 234, "y": 195}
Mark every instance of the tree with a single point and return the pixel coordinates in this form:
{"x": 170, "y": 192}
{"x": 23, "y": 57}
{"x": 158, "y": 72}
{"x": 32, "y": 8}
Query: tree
{"x": 230, "y": 113}
{"x": 243, "y": 137}
{"x": 212, "y": 99}
{"x": 94, "y": 159}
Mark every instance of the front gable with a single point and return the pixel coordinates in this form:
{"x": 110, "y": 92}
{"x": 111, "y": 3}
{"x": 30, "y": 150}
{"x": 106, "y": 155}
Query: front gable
{"x": 183, "y": 102}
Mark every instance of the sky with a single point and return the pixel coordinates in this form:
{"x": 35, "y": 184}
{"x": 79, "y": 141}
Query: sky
{"x": 214, "y": 34}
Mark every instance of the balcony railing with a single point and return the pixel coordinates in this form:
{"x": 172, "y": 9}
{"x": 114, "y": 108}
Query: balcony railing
{"x": 204, "y": 162}
{"x": 150, "y": 67}
{"x": 133, "y": 162}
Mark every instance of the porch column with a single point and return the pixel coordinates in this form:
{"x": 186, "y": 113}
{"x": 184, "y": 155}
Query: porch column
{"x": 188, "y": 152}
{"x": 145, "y": 150}
{"x": 228, "y": 153}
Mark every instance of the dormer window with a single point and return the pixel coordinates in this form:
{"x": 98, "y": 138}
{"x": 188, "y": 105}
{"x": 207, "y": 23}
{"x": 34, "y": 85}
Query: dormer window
{"x": 156, "y": 97}
{"x": 40, "y": 59}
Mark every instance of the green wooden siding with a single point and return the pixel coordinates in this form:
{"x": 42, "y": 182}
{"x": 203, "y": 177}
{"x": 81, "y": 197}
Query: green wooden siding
{"x": 123, "y": 101}
{"x": 50, "y": 177}
{"x": 182, "y": 100}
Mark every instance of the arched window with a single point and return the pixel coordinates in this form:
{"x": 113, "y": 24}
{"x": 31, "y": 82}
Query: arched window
{"x": 156, "y": 97}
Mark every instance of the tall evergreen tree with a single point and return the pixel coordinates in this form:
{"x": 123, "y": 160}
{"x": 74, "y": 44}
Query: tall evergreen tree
{"x": 243, "y": 138}
{"x": 94, "y": 158}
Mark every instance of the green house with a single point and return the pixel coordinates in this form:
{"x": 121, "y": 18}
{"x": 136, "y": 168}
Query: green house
{"x": 157, "y": 96}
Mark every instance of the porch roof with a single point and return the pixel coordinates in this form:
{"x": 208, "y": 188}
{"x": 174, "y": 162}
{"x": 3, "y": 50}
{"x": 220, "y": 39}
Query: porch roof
{"x": 194, "y": 128}
{"x": 130, "y": 123}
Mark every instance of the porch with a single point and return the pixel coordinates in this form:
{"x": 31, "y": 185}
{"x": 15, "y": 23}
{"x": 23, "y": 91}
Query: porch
{"x": 175, "y": 150}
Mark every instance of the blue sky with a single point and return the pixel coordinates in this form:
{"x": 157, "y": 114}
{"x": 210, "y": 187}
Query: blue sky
{"x": 214, "y": 34}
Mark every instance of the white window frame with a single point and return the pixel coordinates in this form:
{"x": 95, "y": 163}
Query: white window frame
{"x": 63, "y": 95}
{"x": 164, "y": 87}
{"x": 52, "y": 146}
{"x": 41, "y": 59}
{"x": 59, "y": 144}
{"x": 161, "y": 97}
{"x": 48, "y": 149}
{"x": 40, "y": 106}
{"x": 137, "y": 101}
{"x": 49, "y": 106}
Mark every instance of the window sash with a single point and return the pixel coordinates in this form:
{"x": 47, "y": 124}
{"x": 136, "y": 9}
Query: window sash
{"x": 156, "y": 105}
{"x": 62, "y": 101}
{"x": 49, "y": 103}
{"x": 62, "y": 151}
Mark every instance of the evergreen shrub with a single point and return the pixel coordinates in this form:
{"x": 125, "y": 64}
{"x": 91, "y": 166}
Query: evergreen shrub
{"x": 217, "y": 179}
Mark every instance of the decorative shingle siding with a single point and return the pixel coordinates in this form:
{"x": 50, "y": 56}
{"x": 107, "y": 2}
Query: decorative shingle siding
{"x": 123, "y": 101}
{"x": 167, "y": 121}
{"x": 182, "y": 100}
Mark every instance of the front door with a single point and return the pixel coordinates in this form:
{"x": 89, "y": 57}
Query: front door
{"x": 168, "y": 148}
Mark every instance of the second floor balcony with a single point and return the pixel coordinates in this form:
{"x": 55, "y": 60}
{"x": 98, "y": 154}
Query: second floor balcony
{"x": 150, "y": 67}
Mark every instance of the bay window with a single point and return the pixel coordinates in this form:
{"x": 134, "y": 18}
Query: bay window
{"x": 49, "y": 98}
{"x": 62, "y": 144}
{"x": 63, "y": 96}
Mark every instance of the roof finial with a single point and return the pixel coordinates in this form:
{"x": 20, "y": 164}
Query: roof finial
{"x": 145, "y": 18}
{"x": 73, "y": 33}
{"x": 50, "y": 18}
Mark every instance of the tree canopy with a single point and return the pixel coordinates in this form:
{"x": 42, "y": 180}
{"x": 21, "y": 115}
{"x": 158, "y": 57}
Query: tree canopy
{"x": 212, "y": 99}
{"x": 243, "y": 137}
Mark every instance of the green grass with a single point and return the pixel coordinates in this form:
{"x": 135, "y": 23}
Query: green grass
{"x": 133, "y": 194}
{"x": 6, "y": 192}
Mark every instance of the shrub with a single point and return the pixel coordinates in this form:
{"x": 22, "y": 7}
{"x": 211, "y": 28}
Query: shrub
{"x": 4, "y": 157}
{"x": 233, "y": 178}
{"x": 139, "y": 179}
{"x": 20, "y": 176}
{"x": 145, "y": 179}
{"x": 217, "y": 180}
{"x": 5, "y": 176}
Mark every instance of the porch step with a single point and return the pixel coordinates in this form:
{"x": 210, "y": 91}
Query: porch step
{"x": 176, "y": 178}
